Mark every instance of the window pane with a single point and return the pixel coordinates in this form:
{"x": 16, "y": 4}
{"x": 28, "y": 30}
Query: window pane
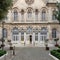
{"x": 4, "y": 33}
{"x": 15, "y": 15}
{"x": 53, "y": 15}
{"x": 43, "y": 15}
{"x": 22, "y": 36}
{"x": 54, "y": 33}
{"x": 15, "y": 34}
{"x": 29, "y": 14}
{"x": 36, "y": 36}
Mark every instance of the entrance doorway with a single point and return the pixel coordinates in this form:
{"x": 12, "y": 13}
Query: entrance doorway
{"x": 30, "y": 39}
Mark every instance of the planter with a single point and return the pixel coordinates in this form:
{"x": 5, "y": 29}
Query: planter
{"x": 53, "y": 57}
{"x": 4, "y": 56}
{"x": 2, "y": 45}
{"x": 56, "y": 45}
{"x": 47, "y": 48}
{"x": 11, "y": 48}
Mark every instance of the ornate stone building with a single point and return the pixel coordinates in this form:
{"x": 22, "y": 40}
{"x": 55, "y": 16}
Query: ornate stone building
{"x": 31, "y": 22}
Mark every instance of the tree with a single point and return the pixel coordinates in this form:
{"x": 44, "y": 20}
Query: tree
{"x": 57, "y": 13}
{"x": 5, "y": 5}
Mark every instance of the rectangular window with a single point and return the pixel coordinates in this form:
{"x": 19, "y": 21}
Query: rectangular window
{"x": 22, "y": 36}
{"x": 54, "y": 33}
{"x": 4, "y": 35}
{"x": 36, "y": 36}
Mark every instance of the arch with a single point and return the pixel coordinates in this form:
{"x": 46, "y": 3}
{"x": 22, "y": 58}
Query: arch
{"x": 29, "y": 29}
{"x": 44, "y": 8}
{"x": 36, "y": 11}
{"x": 15, "y": 8}
{"x": 29, "y": 9}
{"x": 15, "y": 30}
{"x": 44, "y": 30}
{"x": 22, "y": 11}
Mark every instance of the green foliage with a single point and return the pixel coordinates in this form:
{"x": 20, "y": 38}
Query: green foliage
{"x": 58, "y": 12}
{"x": 59, "y": 47}
{"x": 4, "y": 7}
{"x": 56, "y": 53}
{"x": 58, "y": 50}
{"x": 2, "y": 53}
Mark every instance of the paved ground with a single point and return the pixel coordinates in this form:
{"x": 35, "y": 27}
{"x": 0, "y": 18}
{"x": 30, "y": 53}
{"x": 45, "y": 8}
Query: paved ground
{"x": 31, "y": 53}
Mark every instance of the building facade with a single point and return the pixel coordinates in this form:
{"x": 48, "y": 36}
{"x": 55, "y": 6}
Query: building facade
{"x": 31, "y": 22}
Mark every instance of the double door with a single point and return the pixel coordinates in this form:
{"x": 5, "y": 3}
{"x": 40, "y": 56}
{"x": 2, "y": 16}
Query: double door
{"x": 43, "y": 37}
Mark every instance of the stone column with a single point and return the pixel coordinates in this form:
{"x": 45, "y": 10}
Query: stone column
{"x": 19, "y": 17}
{"x": 33, "y": 38}
{"x": 9, "y": 34}
{"x": 49, "y": 34}
{"x": 50, "y": 14}
{"x": 25, "y": 37}
{"x": 38, "y": 37}
{"x": 20, "y": 37}
{"x": 25, "y": 14}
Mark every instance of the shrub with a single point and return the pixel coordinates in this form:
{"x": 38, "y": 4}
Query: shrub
{"x": 55, "y": 53}
{"x": 2, "y": 53}
{"x": 58, "y": 46}
{"x": 58, "y": 50}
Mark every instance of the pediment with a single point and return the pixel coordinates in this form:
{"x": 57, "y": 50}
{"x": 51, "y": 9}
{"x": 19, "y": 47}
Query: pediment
{"x": 21, "y": 4}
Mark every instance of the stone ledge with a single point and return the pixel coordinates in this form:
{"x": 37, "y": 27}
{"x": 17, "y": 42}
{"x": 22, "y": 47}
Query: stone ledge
{"x": 2, "y": 57}
{"x": 53, "y": 57}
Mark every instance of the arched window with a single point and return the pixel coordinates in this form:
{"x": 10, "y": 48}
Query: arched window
{"x": 15, "y": 34}
{"x": 22, "y": 14}
{"x": 15, "y": 15}
{"x": 29, "y": 29}
{"x": 36, "y": 14}
{"x": 29, "y": 12}
{"x": 54, "y": 33}
{"x": 4, "y": 33}
{"x": 43, "y": 15}
{"x": 53, "y": 15}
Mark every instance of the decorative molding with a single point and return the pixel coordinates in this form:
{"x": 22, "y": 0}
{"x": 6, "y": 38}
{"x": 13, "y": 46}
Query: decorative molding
{"x": 29, "y": 2}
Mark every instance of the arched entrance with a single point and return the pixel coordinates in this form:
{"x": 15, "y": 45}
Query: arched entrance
{"x": 29, "y": 35}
